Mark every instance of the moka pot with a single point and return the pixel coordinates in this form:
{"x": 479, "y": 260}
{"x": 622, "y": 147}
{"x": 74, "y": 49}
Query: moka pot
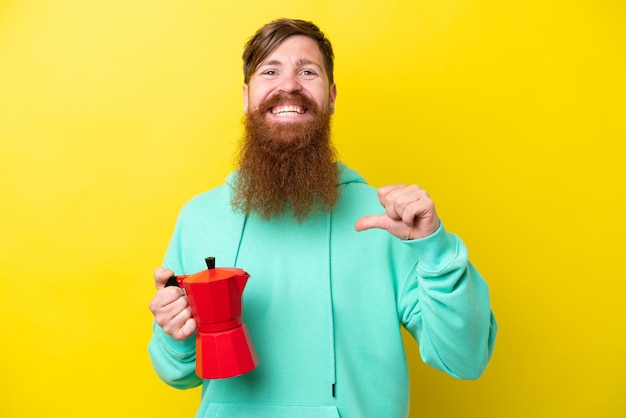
{"x": 223, "y": 344}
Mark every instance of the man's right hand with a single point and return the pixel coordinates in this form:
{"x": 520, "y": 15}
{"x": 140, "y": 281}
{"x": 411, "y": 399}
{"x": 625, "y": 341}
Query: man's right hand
{"x": 170, "y": 307}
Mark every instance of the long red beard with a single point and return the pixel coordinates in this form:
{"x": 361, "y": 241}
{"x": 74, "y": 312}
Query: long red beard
{"x": 286, "y": 166}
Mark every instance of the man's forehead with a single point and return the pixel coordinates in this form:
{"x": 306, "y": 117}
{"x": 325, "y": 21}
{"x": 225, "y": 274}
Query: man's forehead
{"x": 302, "y": 48}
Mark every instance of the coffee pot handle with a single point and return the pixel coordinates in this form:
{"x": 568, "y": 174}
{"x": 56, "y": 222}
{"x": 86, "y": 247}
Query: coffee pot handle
{"x": 172, "y": 281}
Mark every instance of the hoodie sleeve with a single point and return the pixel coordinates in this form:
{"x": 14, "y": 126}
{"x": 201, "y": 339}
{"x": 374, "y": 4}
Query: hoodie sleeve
{"x": 173, "y": 361}
{"x": 445, "y": 306}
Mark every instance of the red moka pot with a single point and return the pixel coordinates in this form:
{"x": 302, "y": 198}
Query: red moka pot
{"x": 223, "y": 345}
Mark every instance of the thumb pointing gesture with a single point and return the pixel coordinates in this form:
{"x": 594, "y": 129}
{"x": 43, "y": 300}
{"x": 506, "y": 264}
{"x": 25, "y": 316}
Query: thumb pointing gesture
{"x": 409, "y": 213}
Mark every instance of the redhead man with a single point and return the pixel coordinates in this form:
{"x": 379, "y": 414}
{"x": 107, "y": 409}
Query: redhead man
{"x": 337, "y": 267}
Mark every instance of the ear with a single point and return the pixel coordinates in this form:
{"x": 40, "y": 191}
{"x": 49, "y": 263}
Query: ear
{"x": 332, "y": 97}
{"x": 245, "y": 99}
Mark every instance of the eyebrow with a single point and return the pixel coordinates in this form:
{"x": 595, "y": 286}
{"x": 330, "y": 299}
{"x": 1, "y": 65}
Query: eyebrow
{"x": 301, "y": 62}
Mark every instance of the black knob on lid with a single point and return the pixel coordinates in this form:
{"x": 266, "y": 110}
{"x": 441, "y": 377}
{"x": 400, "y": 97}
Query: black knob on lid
{"x": 210, "y": 262}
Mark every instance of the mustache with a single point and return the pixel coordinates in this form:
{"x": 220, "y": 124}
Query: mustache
{"x": 292, "y": 98}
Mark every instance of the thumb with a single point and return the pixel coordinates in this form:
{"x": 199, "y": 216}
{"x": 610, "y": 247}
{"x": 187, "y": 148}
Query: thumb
{"x": 369, "y": 222}
{"x": 161, "y": 275}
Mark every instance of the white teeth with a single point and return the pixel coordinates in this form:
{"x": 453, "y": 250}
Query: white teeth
{"x": 282, "y": 110}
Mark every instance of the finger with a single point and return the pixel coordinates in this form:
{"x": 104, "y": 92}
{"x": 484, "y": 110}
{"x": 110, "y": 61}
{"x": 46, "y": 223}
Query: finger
{"x": 403, "y": 200}
{"x": 370, "y": 222}
{"x": 186, "y": 330}
{"x": 180, "y": 326}
{"x": 173, "y": 298}
{"x": 385, "y": 195}
{"x": 385, "y": 190}
{"x": 412, "y": 206}
{"x": 168, "y": 302}
{"x": 422, "y": 215}
{"x": 393, "y": 198}
{"x": 171, "y": 317}
{"x": 160, "y": 276}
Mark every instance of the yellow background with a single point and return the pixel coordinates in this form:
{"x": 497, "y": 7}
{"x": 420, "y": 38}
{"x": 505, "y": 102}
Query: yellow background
{"x": 511, "y": 114}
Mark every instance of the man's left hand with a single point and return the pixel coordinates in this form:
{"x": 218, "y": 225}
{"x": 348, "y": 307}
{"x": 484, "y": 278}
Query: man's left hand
{"x": 409, "y": 213}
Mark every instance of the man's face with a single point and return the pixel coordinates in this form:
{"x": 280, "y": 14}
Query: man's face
{"x": 295, "y": 66}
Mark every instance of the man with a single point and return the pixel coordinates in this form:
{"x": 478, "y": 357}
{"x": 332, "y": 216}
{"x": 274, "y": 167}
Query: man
{"x": 332, "y": 279}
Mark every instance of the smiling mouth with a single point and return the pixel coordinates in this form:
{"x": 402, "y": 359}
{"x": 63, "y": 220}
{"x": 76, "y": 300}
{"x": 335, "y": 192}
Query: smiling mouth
{"x": 291, "y": 110}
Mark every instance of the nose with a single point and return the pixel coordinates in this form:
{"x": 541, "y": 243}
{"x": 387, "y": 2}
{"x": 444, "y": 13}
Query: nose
{"x": 289, "y": 84}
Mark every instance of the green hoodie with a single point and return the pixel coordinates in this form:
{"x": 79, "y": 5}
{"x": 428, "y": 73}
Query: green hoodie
{"x": 324, "y": 306}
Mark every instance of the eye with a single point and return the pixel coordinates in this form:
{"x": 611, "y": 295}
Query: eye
{"x": 269, "y": 73}
{"x": 308, "y": 73}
